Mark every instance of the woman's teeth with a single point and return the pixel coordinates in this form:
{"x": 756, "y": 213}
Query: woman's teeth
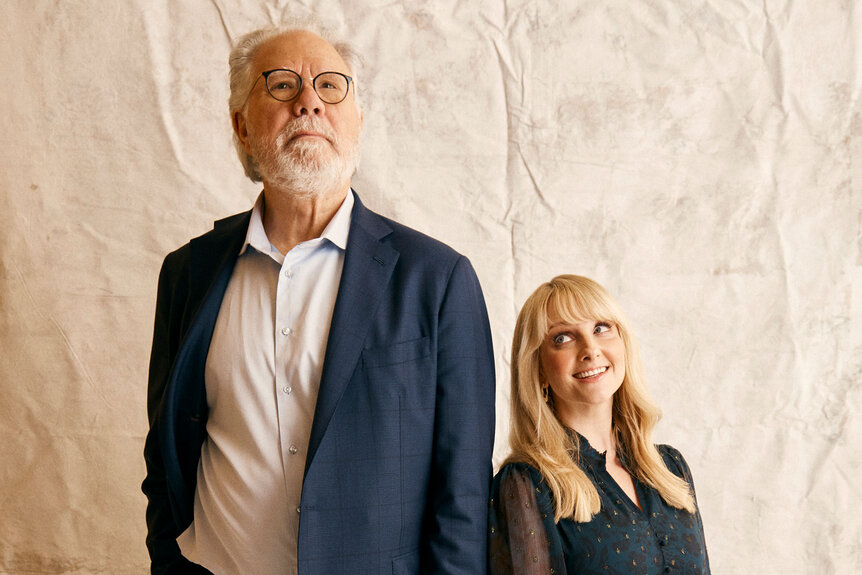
{"x": 591, "y": 373}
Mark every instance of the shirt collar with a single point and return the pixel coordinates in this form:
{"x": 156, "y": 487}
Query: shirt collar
{"x": 589, "y": 452}
{"x": 338, "y": 228}
{"x": 584, "y": 447}
{"x": 336, "y": 231}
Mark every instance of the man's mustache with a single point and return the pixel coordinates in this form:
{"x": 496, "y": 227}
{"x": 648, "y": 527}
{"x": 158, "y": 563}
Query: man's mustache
{"x": 307, "y": 124}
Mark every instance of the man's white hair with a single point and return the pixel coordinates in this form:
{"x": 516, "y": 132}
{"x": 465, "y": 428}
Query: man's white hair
{"x": 242, "y": 78}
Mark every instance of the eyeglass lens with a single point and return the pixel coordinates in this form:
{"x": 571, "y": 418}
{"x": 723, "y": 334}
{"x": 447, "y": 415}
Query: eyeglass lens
{"x": 284, "y": 85}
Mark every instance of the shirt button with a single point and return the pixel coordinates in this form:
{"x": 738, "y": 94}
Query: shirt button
{"x": 292, "y": 449}
{"x": 287, "y": 389}
{"x": 288, "y": 274}
{"x": 286, "y": 331}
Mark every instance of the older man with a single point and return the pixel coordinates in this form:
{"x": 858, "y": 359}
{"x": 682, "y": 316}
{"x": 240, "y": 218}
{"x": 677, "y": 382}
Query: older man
{"x": 321, "y": 388}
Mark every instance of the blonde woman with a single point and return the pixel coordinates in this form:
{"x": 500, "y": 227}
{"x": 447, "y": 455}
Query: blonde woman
{"x": 585, "y": 490}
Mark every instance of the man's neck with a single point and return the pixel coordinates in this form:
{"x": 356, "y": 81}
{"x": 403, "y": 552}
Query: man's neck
{"x": 290, "y": 219}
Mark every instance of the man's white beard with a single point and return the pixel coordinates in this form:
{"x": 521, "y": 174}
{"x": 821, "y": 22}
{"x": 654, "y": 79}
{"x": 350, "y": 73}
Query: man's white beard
{"x": 306, "y": 167}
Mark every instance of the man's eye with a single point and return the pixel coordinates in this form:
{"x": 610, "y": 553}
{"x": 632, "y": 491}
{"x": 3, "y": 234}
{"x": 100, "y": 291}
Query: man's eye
{"x": 283, "y": 86}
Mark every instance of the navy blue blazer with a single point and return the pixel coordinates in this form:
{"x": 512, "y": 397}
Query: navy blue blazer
{"x": 399, "y": 460}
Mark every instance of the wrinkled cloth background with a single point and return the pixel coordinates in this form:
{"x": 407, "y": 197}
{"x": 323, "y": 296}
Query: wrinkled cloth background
{"x": 702, "y": 159}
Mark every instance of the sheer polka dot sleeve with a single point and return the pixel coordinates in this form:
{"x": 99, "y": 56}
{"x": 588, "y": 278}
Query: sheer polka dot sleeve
{"x": 522, "y": 538}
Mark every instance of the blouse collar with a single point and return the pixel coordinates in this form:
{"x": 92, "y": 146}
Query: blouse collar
{"x": 589, "y": 453}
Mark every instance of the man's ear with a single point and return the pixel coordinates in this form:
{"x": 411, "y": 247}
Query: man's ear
{"x": 240, "y": 129}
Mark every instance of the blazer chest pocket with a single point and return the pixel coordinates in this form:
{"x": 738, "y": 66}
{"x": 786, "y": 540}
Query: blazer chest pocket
{"x": 403, "y": 352}
{"x": 401, "y": 374}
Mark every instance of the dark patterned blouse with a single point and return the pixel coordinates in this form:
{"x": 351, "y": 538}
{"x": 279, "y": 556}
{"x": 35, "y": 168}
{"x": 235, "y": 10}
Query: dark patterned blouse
{"x": 620, "y": 539}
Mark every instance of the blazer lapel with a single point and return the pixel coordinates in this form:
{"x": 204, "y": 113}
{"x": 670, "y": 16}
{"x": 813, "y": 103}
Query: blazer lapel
{"x": 216, "y": 252}
{"x": 368, "y": 265}
{"x": 211, "y": 261}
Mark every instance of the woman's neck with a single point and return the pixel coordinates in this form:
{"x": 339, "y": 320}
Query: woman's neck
{"x": 596, "y": 425}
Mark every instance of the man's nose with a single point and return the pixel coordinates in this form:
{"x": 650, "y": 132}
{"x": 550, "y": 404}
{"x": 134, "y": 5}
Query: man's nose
{"x": 307, "y": 102}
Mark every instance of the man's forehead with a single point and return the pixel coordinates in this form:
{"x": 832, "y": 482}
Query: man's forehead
{"x": 299, "y": 48}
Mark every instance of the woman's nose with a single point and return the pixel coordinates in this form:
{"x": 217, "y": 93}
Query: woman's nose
{"x": 589, "y": 350}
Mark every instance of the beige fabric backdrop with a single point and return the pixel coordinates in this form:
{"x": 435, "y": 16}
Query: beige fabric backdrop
{"x": 701, "y": 158}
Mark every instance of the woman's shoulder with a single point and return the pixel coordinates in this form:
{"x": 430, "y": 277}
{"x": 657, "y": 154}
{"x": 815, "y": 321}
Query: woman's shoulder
{"x": 521, "y": 482}
{"x": 518, "y": 469}
{"x": 674, "y": 461}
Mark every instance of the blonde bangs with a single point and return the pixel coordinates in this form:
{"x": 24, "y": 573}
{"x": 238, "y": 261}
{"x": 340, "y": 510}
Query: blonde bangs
{"x": 575, "y": 302}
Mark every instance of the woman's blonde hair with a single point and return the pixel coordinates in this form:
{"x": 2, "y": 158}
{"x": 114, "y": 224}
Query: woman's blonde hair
{"x": 537, "y": 437}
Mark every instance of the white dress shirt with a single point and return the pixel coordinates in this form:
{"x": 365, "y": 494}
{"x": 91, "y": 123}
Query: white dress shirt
{"x": 262, "y": 377}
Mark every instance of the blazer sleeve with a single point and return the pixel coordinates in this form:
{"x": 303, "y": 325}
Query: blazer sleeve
{"x": 162, "y": 529}
{"x": 456, "y": 521}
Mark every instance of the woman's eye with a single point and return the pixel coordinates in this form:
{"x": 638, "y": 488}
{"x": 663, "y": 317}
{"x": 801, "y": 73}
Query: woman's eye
{"x": 561, "y": 338}
{"x": 602, "y": 327}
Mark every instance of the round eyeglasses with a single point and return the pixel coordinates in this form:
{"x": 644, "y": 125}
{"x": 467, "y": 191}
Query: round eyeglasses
{"x": 285, "y": 85}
